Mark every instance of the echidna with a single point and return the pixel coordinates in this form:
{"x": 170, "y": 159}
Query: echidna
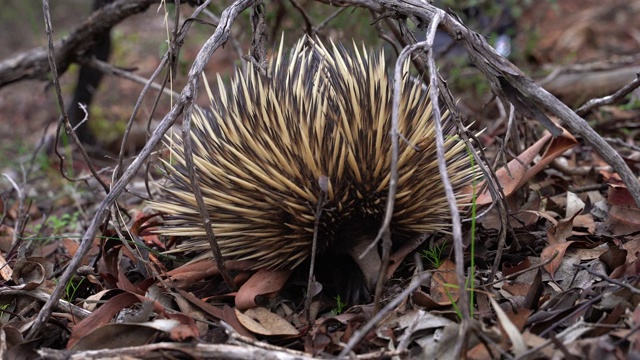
{"x": 323, "y": 112}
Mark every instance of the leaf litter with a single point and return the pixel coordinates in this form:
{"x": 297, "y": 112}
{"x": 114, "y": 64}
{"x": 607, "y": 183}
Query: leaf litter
{"x": 566, "y": 286}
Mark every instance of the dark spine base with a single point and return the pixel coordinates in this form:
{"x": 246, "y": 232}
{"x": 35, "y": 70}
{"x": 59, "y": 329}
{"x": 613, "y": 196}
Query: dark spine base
{"x": 340, "y": 268}
{"x": 339, "y": 275}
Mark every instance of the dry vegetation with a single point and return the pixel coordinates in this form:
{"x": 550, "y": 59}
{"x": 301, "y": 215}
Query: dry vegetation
{"x": 549, "y": 271}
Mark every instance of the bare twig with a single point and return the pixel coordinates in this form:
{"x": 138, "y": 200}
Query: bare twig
{"x": 21, "y": 210}
{"x": 217, "y": 39}
{"x": 505, "y": 78}
{"x": 196, "y": 351}
{"x": 235, "y": 44}
{"x": 518, "y": 273}
{"x": 197, "y": 193}
{"x": 34, "y": 63}
{"x": 323, "y": 182}
{"x": 64, "y": 119}
{"x": 611, "y": 99}
{"x": 42, "y": 296}
{"x": 458, "y": 244}
{"x": 307, "y": 19}
{"x": 258, "y": 51}
{"x": 109, "y": 69}
{"x": 326, "y": 21}
{"x": 620, "y": 142}
{"x": 363, "y": 331}
{"x": 174, "y": 47}
{"x": 629, "y": 287}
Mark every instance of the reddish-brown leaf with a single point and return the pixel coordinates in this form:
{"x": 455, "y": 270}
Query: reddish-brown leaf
{"x": 556, "y": 250}
{"x": 264, "y": 282}
{"x": 444, "y": 284}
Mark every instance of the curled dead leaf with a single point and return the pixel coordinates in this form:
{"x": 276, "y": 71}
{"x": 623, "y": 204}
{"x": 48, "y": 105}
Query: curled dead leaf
{"x": 264, "y": 282}
{"x": 114, "y": 336}
{"x": 517, "y": 173}
{"x": 262, "y": 321}
{"x": 31, "y": 272}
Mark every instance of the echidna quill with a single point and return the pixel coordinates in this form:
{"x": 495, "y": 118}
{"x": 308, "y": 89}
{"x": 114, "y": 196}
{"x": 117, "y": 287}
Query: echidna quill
{"x": 322, "y": 113}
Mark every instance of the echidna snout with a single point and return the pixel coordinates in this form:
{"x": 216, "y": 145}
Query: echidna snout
{"x": 261, "y": 148}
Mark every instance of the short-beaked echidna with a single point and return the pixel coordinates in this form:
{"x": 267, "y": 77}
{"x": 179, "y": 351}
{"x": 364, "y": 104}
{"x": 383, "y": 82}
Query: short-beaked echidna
{"x": 322, "y": 112}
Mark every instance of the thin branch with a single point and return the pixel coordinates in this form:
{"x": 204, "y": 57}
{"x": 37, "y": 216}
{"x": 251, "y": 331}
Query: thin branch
{"x": 360, "y": 334}
{"x": 307, "y": 19}
{"x": 621, "y": 143}
{"x": 187, "y": 143}
{"x": 323, "y": 182}
{"x": 166, "y": 58}
{"x": 456, "y": 226}
{"x": 217, "y": 39}
{"x": 34, "y": 63}
{"x": 610, "y": 99}
{"x": 64, "y": 119}
{"x": 505, "y": 78}
{"x": 21, "y": 210}
{"x": 110, "y": 69}
{"x": 42, "y": 296}
{"x": 634, "y": 290}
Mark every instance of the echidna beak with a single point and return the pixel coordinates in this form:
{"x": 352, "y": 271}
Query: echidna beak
{"x": 369, "y": 264}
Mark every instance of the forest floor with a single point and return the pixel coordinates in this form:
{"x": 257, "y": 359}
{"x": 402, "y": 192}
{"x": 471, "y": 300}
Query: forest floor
{"x": 566, "y": 286}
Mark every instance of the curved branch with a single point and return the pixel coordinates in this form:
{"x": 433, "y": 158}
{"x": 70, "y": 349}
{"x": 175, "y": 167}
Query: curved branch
{"x": 218, "y": 38}
{"x": 506, "y": 79}
{"x": 33, "y": 64}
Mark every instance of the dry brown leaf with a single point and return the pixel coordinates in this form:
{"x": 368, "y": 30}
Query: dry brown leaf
{"x": 585, "y": 221}
{"x": 556, "y": 250}
{"x": 114, "y": 336}
{"x": 587, "y": 254}
{"x": 407, "y": 248}
{"x": 559, "y": 232}
{"x": 509, "y": 268}
{"x": 522, "y": 214}
{"x": 195, "y": 271}
{"x": 31, "y": 272}
{"x": 264, "y": 282}
{"x": 263, "y": 322}
{"x": 516, "y": 173}
{"x": 614, "y": 257}
{"x": 574, "y": 206}
{"x": 479, "y": 352}
{"x": 510, "y": 329}
{"x": 624, "y": 215}
{"x": 105, "y": 313}
{"x": 517, "y": 289}
{"x": 444, "y": 283}
{"x": 425, "y": 301}
{"x": 618, "y": 194}
{"x": 192, "y": 272}
{"x": 535, "y": 341}
{"x": 633, "y": 249}
{"x": 5, "y": 269}
{"x": 187, "y": 328}
{"x": 70, "y": 245}
{"x": 519, "y": 174}
{"x": 92, "y": 301}
{"x": 623, "y": 220}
